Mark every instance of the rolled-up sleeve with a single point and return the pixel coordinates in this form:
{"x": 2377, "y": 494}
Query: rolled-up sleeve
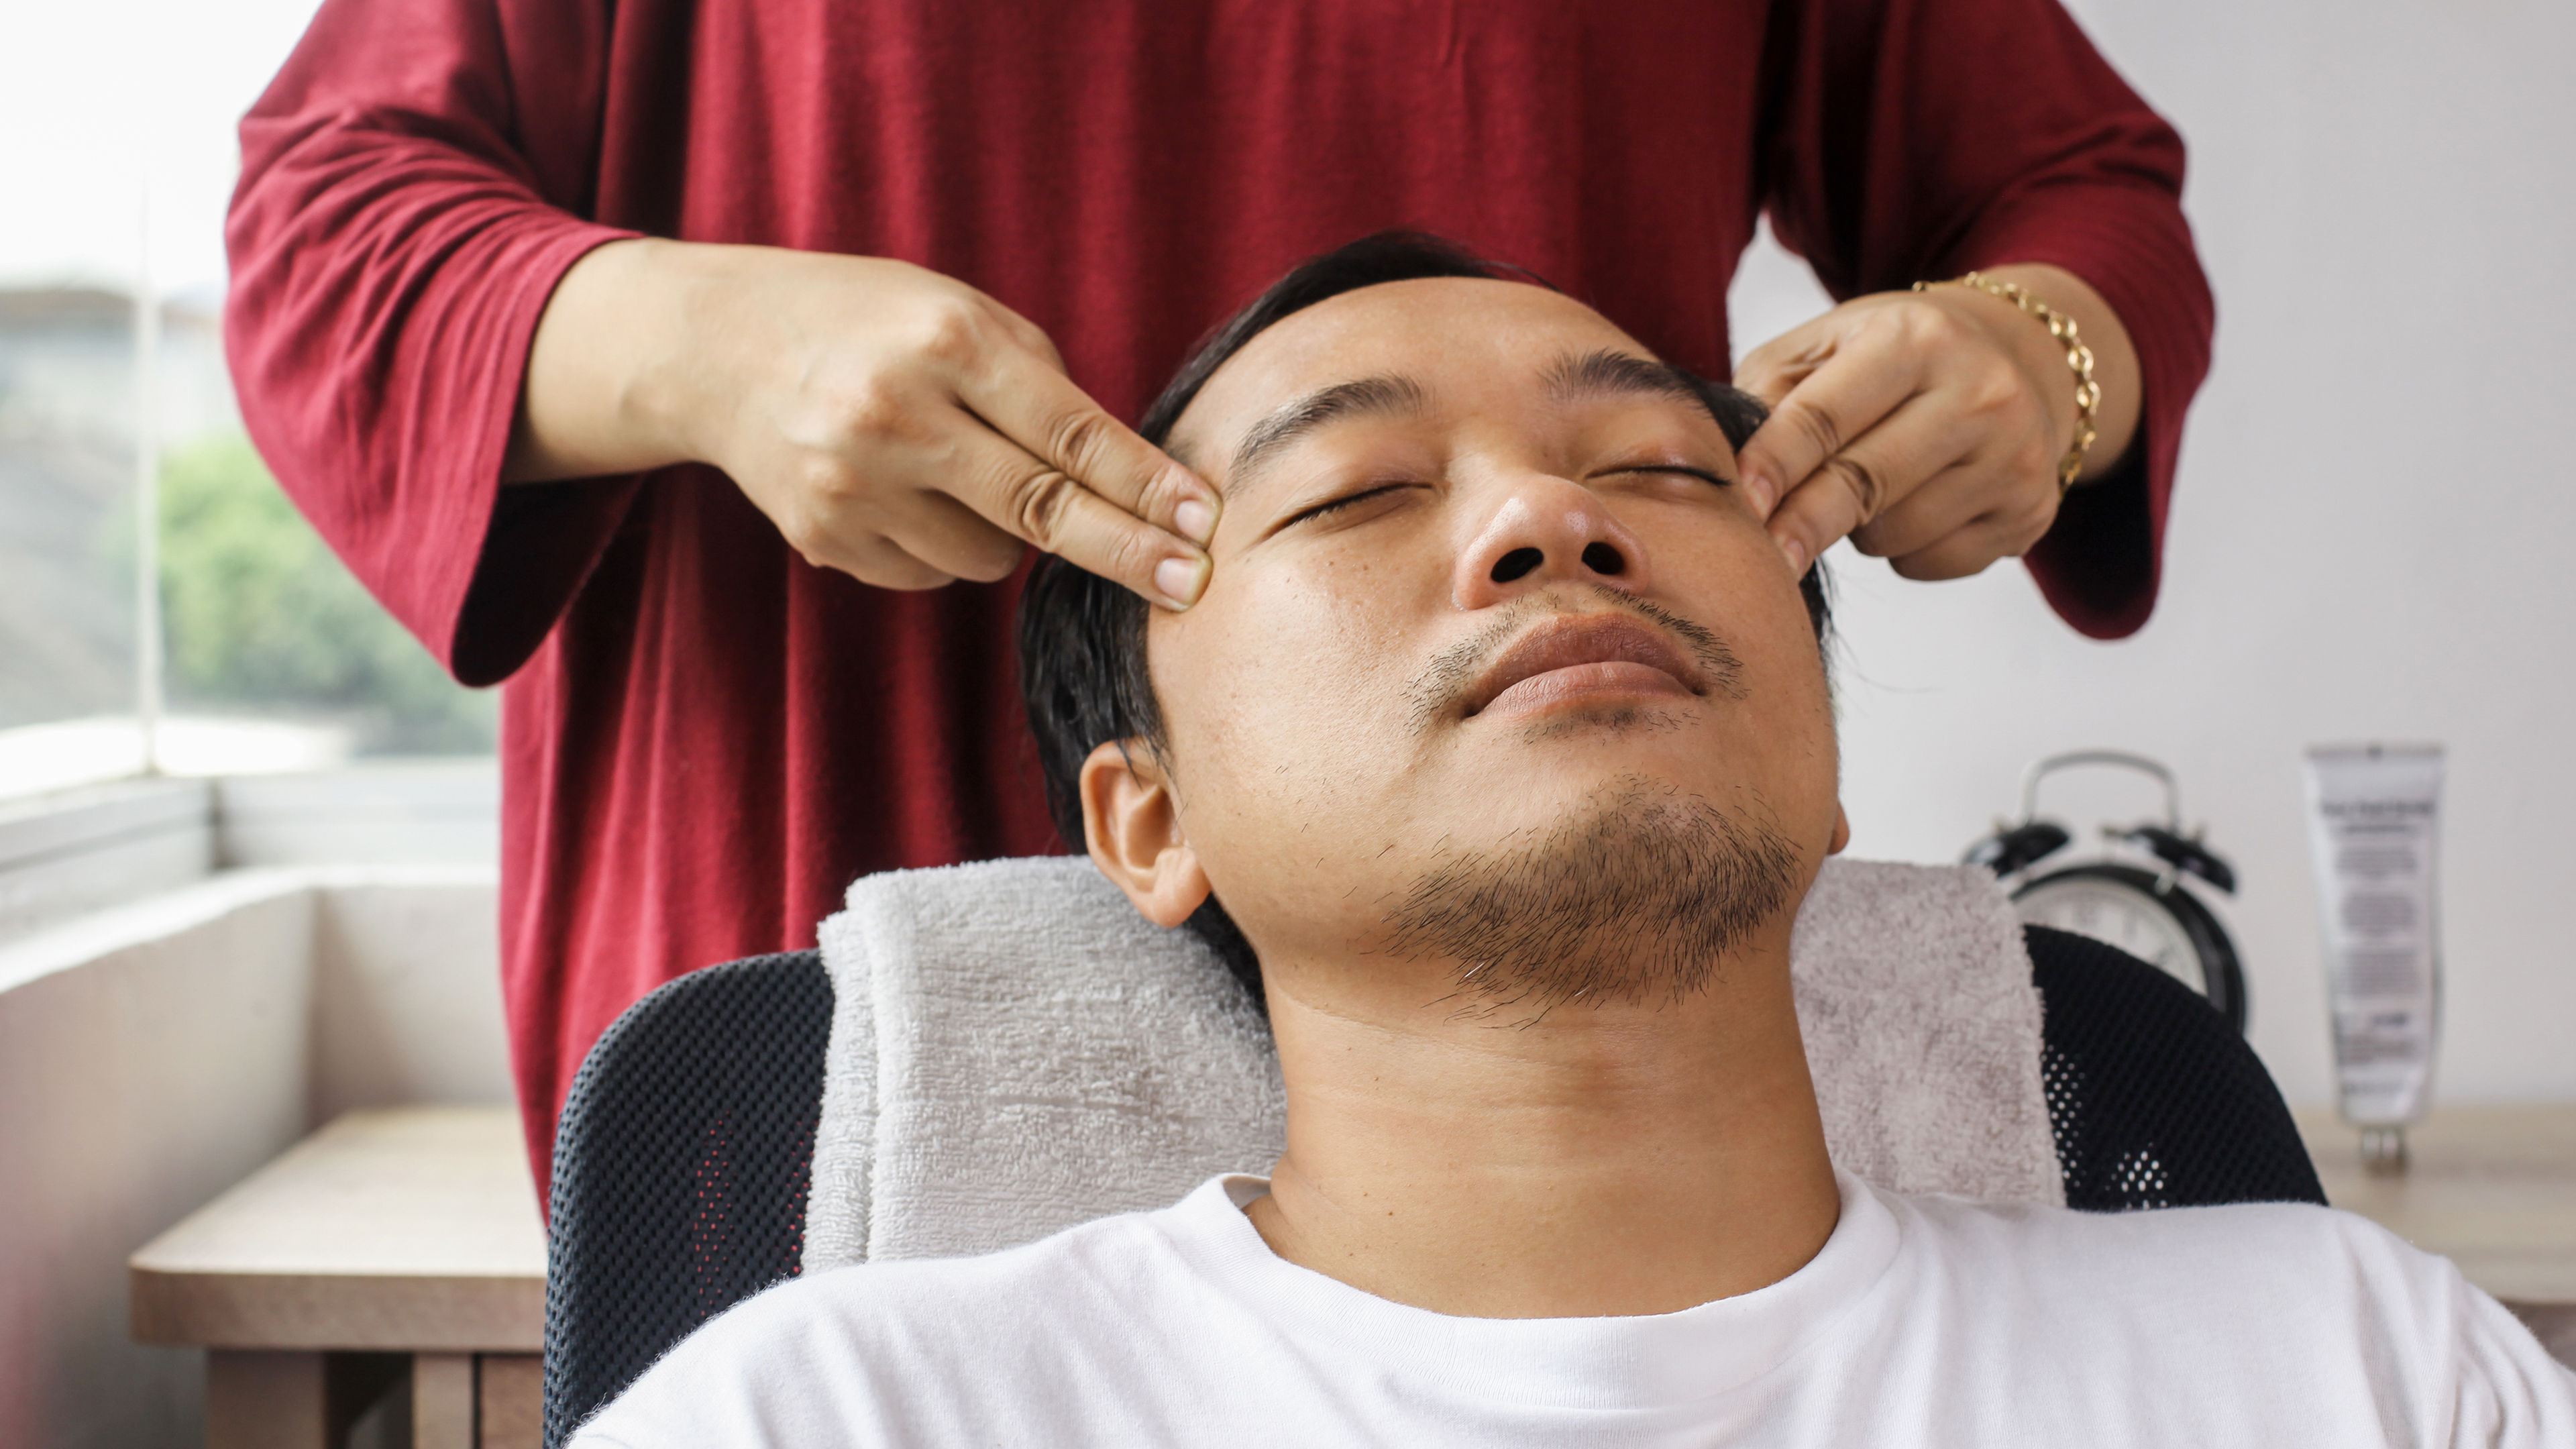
{"x": 1912, "y": 139}
{"x": 412, "y": 189}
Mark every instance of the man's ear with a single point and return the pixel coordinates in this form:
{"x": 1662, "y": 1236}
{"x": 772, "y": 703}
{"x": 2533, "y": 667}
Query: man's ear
{"x": 1133, "y": 826}
{"x": 1842, "y": 831}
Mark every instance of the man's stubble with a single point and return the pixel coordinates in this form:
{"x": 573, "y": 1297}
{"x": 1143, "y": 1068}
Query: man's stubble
{"x": 1635, "y": 899}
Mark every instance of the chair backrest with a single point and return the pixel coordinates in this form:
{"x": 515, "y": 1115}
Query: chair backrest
{"x": 680, "y": 1170}
{"x": 2155, "y": 1099}
{"x": 682, "y": 1158}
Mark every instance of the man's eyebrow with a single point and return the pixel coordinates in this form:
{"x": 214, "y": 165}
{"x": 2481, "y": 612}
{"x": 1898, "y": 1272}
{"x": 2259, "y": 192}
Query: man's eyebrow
{"x": 1609, "y": 373}
{"x": 1293, "y": 420}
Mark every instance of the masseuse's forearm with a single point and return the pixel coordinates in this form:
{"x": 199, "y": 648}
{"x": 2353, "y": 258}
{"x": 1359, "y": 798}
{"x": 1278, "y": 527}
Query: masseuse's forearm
{"x": 600, "y": 395}
{"x": 2115, "y": 358}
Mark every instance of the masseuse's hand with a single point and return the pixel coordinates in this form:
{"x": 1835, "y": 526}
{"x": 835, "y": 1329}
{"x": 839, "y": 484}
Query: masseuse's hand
{"x": 894, "y": 423}
{"x": 1927, "y": 426}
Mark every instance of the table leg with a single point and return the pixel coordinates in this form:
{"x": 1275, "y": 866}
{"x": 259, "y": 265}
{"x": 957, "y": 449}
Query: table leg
{"x": 510, "y": 1401}
{"x": 264, "y": 1400}
{"x": 292, "y": 1399}
{"x": 442, "y": 1401}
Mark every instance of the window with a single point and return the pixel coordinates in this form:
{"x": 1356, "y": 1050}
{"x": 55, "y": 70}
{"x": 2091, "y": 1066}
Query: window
{"x": 162, "y": 605}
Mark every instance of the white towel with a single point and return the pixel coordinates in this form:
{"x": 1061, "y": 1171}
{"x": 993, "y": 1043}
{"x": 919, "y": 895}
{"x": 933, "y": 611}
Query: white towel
{"x": 1014, "y": 1051}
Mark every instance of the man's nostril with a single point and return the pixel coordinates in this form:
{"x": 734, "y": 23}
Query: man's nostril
{"x": 1604, "y": 560}
{"x": 1517, "y": 563}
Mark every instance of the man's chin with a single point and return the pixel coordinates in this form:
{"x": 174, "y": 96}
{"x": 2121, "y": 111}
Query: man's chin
{"x": 1632, "y": 892}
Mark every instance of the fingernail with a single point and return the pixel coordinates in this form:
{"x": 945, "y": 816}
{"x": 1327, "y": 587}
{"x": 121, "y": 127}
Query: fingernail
{"x": 1182, "y": 580}
{"x": 1796, "y": 553}
{"x": 1763, "y": 493}
{"x": 1196, "y": 520}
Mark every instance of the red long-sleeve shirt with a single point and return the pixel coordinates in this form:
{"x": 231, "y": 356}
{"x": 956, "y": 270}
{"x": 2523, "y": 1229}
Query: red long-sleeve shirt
{"x": 704, "y": 739}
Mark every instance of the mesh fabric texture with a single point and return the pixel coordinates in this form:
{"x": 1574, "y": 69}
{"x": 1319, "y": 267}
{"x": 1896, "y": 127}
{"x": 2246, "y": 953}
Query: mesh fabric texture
{"x": 684, "y": 1153}
{"x": 681, "y": 1164}
{"x": 2155, "y": 1100}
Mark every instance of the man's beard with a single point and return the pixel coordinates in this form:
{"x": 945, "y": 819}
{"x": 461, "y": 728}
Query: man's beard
{"x": 1635, "y": 899}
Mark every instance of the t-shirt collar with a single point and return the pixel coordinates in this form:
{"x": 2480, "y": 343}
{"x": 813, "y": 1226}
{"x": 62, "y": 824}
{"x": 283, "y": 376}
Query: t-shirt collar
{"x": 1637, "y": 1362}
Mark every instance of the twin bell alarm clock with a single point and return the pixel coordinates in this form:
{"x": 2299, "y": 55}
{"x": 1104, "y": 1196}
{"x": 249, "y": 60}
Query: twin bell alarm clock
{"x": 2139, "y": 896}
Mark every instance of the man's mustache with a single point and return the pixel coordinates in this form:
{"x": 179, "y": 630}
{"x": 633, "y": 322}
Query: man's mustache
{"x": 1454, "y": 670}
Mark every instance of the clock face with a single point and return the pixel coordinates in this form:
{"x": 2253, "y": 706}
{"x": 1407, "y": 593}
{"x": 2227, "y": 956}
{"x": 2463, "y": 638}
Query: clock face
{"x": 2116, "y": 914}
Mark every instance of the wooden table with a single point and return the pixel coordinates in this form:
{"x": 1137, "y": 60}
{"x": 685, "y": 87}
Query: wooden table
{"x": 389, "y": 1241}
{"x": 2491, "y": 1188}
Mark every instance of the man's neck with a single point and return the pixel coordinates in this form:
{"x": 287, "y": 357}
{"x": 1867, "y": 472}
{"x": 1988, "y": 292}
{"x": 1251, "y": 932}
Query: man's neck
{"x": 1609, "y": 1160}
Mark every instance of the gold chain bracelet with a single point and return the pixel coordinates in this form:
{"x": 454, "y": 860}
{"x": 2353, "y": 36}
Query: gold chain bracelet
{"x": 2079, "y": 358}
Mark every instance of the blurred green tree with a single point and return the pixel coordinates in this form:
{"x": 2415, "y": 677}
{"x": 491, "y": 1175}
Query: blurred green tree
{"x": 260, "y": 616}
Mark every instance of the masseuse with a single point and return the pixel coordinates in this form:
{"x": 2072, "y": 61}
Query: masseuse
{"x": 666, "y": 360}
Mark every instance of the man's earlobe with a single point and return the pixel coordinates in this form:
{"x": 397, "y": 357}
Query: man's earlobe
{"x": 1842, "y": 831}
{"x": 1132, "y": 824}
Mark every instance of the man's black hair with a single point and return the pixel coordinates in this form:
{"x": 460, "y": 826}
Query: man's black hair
{"x": 1082, "y": 638}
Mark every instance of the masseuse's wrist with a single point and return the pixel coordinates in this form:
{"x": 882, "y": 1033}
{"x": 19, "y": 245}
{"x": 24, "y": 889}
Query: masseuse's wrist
{"x": 2115, "y": 359}
{"x": 681, "y": 388}
{"x": 609, "y": 384}
{"x": 2035, "y": 354}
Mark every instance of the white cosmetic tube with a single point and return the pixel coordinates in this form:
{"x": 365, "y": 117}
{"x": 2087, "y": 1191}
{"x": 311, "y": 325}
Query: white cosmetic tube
{"x": 2372, "y": 817}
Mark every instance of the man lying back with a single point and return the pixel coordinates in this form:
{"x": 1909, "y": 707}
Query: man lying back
{"x": 1502, "y": 735}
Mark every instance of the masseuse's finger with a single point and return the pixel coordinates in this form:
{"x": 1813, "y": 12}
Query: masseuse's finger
{"x": 1969, "y": 548}
{"x": 1030, "y": 401}
{"x": 1770, "y": 370}
{"x": 1865, "y": 378}
{"x": 1092, "y": 490}
{"x": 1921, "y": 467}
{"x": 981, "y": 464}
{"x": 1978, "y": 490}
{"x": 1834, "y": 500}
{"x": 1867, "y": 477}
{"x": 946, "y": 534}
{"x": 838, "y": 521}
{"x": 874, "y": 559}
{"x": 1948, "y": 500}
{"x": 1028, "y": 334}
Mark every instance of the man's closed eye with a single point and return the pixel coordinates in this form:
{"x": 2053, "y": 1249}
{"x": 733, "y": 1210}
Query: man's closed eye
{"x": 1702, "y": 474}
{"x": 1345, "y": 501}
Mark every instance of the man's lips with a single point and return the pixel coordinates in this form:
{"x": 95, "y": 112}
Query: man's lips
{"x": 1564, "y": 658}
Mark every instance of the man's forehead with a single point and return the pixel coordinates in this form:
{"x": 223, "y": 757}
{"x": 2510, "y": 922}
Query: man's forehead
{"x": 1416, "y": 329}
{"x": 1565, "y": 378}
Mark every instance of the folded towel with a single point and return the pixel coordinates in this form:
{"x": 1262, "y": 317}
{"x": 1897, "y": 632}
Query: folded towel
{"x": 1014, "y": 1051}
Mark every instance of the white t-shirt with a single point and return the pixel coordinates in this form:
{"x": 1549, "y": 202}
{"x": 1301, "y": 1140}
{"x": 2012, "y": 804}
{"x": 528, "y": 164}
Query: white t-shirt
{"x": 1924, "y": 1321}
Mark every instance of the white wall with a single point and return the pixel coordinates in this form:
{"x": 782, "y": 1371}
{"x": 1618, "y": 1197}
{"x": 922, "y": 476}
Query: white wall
{"x": 2369, "y": 535}
{"x": 406, "y": 989}
{"x": 153, "y": 1054}
{"x": 145, "y": 1065}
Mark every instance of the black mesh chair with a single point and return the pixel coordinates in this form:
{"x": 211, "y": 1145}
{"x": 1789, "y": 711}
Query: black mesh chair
{"x": 684, "y": 1152}
{"x": 681, "y": 1164}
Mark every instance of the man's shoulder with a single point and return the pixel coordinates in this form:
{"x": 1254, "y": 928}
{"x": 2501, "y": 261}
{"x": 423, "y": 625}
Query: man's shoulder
{"x": 928, "y": 1295}
{"x": 2238, "y": 1300}
{"x": 928, "y": 1292}
{"x": 859, "y": 1354}
{"x": 2264, "y": 1281}
{"x": 2265, "y": 1239}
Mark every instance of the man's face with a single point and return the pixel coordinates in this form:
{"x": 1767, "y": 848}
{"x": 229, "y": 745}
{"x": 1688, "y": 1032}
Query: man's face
{"x": 1484, "y": 607}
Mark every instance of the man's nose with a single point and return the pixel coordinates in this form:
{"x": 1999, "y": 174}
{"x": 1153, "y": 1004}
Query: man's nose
{"x": 1545, "y": 530}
